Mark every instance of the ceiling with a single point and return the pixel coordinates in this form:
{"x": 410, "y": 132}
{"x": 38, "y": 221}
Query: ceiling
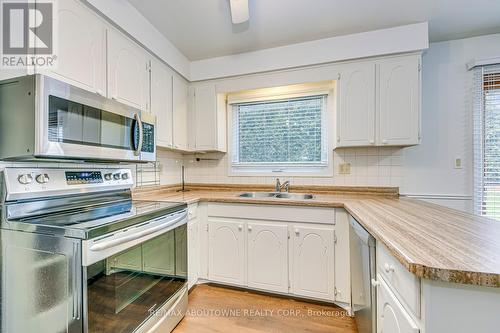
{"x": 202, "y": 28}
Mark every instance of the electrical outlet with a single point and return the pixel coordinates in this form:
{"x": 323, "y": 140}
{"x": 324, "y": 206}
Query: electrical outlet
{"x": 458, "y": 163}
{"x": 344, "y": 168}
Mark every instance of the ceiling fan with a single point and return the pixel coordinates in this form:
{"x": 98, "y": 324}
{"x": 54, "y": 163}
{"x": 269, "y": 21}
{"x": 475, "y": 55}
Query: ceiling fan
{"x": 239, "y": 11}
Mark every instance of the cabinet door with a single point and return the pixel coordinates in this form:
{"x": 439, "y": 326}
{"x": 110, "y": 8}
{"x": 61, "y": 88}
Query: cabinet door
{"x": 180, "y": 111}
{"x": 159, "y": 254}
{"x": 342, "y": 261}
{"x": 399, "y": 100}
{"x": 81, "y": 57}
{"x": 391, "y": 316}
{"x": 128, "y": 72}
{"x": 356, "y": 116}
{"x": 205, "y": 116}
{"x": 193, "y": 252}
{"x": 313, "y": 262}
{"x": 268, "y": 256}
{"x": 226, "y": 261}
{"x": 161, "y": 103}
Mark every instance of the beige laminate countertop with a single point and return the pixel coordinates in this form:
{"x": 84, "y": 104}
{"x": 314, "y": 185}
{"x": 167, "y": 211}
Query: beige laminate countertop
{"x": 431, "y": 241}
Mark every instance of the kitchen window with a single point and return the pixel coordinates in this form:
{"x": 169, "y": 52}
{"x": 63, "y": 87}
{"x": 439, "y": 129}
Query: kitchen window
{"x": 274, "y": 135}
{"x": 487, "y": 141}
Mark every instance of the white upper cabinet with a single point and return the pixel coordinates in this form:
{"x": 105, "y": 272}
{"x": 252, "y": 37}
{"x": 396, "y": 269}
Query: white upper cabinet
{"x": 399, "y": 100}
{"x": 161, "y": 103}
{"x": 128, "y": 71}
{"x": 226, "y": 257}
{"x": 180, "y": 113}
{"x": 268, "y": 256}
{"x": 313, "y": 262}
{"x": 209, "y": 116}
{"x": 356, "y": 116}
{"x": 391, "y": 316}
{"x": 379, "y": 102}
{"x": 81, "y": 56}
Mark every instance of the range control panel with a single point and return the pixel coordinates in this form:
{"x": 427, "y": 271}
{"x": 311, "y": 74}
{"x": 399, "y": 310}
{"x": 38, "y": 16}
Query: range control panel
{"x": 25, "y": 183}
{"x": 83, "y": 177}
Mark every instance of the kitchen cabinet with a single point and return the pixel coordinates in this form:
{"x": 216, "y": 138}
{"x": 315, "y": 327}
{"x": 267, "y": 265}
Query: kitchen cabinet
{"x": 391, "y": 316}
{"x": 180, "y": 113}
{"x": 128, "y": 71}
{"x": 161, "y": 103}
{"x": 81, "y": 56}
{"x": 267, "y": 256}
{"x": 356, "y": 116}
{"x": 342, "y": 269}
{"x": 399, "y": 100}
{"x": 159, "y": 254}
{"x": 313, "y": 261}
{"x": 227, "y": 257}
{"x": 209, "y": 115}
{"x": 379, "y": 102}
{"x": 193, "y": 247}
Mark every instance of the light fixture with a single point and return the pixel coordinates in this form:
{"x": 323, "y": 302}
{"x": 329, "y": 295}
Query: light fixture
{"x": 239, "y": 11}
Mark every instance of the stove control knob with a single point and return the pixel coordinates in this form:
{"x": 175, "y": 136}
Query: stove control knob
{"x": 25, "y": 179}
{"x": 117, "y": 176}
{"x": 42, "y": 178}
{"x": 108, "y": 176}
{"x": 124, "y": 176}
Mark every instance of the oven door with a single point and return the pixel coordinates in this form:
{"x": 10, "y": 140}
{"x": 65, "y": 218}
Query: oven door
{"x": 133, "y": 273}
{"x": 77, "y": 124}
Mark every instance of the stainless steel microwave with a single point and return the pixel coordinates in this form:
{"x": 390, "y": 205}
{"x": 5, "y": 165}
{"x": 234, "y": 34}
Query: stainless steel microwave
{"x": 44, "y": 118}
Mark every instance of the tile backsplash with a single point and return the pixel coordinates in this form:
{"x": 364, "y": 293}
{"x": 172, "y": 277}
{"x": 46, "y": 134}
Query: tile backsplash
{"x": 369, "y": 167}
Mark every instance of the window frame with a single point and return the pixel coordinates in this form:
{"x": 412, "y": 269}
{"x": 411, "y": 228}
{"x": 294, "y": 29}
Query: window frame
{"x": 284, "y": 169}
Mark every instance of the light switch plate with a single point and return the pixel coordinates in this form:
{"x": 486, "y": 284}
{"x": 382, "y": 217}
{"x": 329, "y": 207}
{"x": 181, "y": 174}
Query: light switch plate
{"x": 344, "y": 168}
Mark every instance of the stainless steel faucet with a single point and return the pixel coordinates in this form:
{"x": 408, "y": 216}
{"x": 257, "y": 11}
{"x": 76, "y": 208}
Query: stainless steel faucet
{"x": 285, "y": 185}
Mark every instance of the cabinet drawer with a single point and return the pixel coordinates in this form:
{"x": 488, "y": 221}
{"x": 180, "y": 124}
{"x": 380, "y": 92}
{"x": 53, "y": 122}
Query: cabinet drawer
{"x": 192, "y": 211}
{"x": 405, "y": 284}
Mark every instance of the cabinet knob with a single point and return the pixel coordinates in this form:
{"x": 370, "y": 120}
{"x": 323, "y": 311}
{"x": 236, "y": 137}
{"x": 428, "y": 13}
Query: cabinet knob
{"x": 388, "y": 268}
{"x": 249, "y": 228}
{"x": 297, "y": 232}
{"x": 375, "y": 283}
{"x": 384, "y": 141}
{"x": 240, "y": 227}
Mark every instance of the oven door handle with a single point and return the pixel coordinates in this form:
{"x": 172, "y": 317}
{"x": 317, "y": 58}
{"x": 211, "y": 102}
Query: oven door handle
{"x": 121, "y": 240}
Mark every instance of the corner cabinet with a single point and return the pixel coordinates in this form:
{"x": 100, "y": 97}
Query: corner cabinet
{"x": 81, "y": 56}
{"x": 161, "y": 103}
{"x": 379, "y": 102}
{"x": 128, "y": 72}
{"x": 209, "y": 116}
{"x": 180, "y": 90}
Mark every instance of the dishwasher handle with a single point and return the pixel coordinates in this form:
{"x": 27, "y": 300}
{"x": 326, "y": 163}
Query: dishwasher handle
{"x": 104, "y": 245}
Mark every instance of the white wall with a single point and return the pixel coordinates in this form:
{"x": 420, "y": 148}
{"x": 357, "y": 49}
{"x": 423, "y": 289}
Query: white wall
{"x": 447, "y": 93}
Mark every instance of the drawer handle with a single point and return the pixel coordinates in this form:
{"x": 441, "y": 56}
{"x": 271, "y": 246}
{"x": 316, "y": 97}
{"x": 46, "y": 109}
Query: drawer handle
{"x": 388, "y": 268}
{"x": 375, "y": 283}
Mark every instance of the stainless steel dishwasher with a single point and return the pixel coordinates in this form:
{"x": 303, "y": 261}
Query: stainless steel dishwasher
{"x": 363, "y": 296}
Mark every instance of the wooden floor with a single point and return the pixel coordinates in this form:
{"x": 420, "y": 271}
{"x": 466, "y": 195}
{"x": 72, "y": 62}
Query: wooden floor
{"x": 217, "y": 309}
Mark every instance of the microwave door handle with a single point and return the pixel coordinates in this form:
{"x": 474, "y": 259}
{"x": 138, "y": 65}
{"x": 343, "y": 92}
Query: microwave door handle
{"x": 138, "y": 122}
{"x": 118, "y": 241}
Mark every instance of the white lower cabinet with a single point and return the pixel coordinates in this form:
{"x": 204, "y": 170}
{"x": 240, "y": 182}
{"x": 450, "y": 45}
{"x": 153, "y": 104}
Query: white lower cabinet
{"x": 267, "y": 246}
{"x": 391, "y": 315}
{"x": 193, "y": 251}
{"x": 226, "y": 257}
{"x": 313, "y": 261}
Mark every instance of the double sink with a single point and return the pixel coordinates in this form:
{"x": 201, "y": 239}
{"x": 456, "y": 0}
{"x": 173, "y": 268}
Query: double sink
{"x": 277, "y": 195}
